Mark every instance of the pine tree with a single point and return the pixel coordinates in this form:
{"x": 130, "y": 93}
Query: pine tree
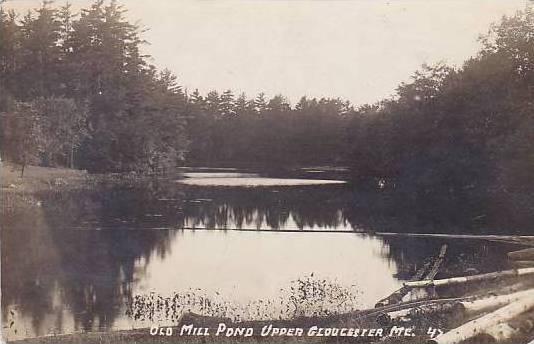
{"x": 260, "y": 103}
{"x": 227, "y": 104}
{"x": 40, "y": 53}
{"x": 9, "y": 55}
{"x": 213, "y": 102}
{"x": 241, "y": 105}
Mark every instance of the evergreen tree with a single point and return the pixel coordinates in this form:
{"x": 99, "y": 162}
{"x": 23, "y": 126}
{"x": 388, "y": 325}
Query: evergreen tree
{"x": 227, "y": 104}
{"x": 260, "y": 103}
{"x": 40, "y": 53}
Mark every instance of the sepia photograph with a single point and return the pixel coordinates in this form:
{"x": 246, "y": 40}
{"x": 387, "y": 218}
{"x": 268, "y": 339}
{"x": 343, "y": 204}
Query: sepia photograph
{"x": 267, "y": 171}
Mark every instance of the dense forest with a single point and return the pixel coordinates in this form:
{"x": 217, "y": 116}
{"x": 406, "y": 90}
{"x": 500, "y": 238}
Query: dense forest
{"x": 77, "y": 91}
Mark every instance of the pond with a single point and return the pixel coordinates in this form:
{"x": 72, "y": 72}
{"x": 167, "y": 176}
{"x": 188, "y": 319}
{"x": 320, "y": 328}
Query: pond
{"x": 229, "y": 244}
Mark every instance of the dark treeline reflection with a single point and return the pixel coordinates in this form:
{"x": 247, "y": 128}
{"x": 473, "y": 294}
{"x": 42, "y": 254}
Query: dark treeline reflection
{"x": 267, "y": 208}
{"x": 469, "y": 213}
{"x": 83, "y": 250}
{"x": 351, "y": 207}
{"x": 462, "y": 256}
{"x": 55, "y": 258}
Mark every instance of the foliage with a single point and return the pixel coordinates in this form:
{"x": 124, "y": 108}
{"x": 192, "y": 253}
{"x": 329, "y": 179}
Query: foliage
{"x": 105, "y": 106}
{"x": 452, "y": 136}
{"x": 64, "y": 129}
{"x": 22, "y": 135}
{"x": 447, "y": 134}
{"x": 268, "y": 132}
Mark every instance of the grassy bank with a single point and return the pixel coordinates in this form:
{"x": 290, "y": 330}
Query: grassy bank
{"x": 38, "y": 178}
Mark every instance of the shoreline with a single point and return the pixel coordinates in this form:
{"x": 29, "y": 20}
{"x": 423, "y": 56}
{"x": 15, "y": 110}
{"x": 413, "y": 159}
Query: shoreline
{"x": 38, "y": 178}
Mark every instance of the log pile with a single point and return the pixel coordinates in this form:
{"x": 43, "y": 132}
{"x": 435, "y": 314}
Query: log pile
{"x": 502, "y": 315}
{"x": 496, "y": 324}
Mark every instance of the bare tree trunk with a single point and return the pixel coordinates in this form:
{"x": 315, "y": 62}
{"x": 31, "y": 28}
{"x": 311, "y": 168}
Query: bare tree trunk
{"x": 437, "y": 263}
{"x": 71, "y": 156}
{"x": 474, "y": 278}
{"x": 22, "y": 170}
{"x": 526, "y": 254}
{"x": 486, "y": 322}
{"x": 523, "y": 263}
{"x": 423, "y": 310}
{"x": 398, "y": 295}
{"x": 468, "y": 307}
{"x": 499, "y": 333}
{"x": 493, "y": 302}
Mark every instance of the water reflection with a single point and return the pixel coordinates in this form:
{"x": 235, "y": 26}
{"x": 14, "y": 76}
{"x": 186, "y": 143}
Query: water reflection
{"x": 72, "y": 261}
{"x": 50, "y": 269}
{"x": 267, "y": 208}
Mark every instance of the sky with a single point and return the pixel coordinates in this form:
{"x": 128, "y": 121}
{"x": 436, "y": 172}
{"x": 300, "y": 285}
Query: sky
{"x": 356, "y": 50}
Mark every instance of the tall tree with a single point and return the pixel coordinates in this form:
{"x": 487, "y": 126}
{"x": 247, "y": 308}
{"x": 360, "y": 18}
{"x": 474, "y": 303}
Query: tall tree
{"x": 40, "y": 53}
{"x": 22, "y": 135}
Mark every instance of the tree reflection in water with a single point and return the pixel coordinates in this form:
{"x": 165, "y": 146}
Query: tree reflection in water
{"x": 55, "y": 257}
{"x": 70, "y": 263}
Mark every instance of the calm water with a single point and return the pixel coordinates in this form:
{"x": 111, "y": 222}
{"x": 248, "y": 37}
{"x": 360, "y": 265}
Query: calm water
{"x": 78, "y": 261}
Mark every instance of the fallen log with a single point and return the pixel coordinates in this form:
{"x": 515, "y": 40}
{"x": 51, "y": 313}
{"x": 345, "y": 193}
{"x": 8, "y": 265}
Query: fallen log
{"x": 493, "y": 302}
{"x": 393, "y": 298}
{"x": 519, "y": 326}
{"x": 416, "y": 294}
{"x": 499, "y": 332}
{"x": 481, "y": 325}
{"x": 437, "y": 263}
{"x": 423, "y": 310}
{"x": 523, "y": 263}
{"x": 525, "y": 254}
{"x": 468, "y": 279}
{"x": 400, "y": 294}
{"x": 467, "y": 307}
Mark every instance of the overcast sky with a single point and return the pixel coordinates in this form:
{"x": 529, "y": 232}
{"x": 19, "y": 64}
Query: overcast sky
{"x": 357, "y": 50}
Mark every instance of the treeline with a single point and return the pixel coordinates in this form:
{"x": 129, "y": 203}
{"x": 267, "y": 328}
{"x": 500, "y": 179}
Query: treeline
{"x": 455, "y": 132}
{"x": 75, "y": 90}
{"x": 229, "y": 130}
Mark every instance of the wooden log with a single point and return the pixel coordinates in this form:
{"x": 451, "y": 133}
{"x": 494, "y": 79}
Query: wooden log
{"x": 437, "y": 263}
{"x": 416, "y": 294}
{"x": 523, "y": 324}
{"x": 393, "y": 298}
{"x": 400, "y": 294}
{"x": 496, "y": 301}
{"x": 468, "y": 279}
{"x": 525, "y": 254}
{"x": 423, "y": 310}
{"x": 468, "y": 307}
{"x": 486, "y": 322}
{"x": 499, "y": 332}
{"x": 523, "y": 263}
